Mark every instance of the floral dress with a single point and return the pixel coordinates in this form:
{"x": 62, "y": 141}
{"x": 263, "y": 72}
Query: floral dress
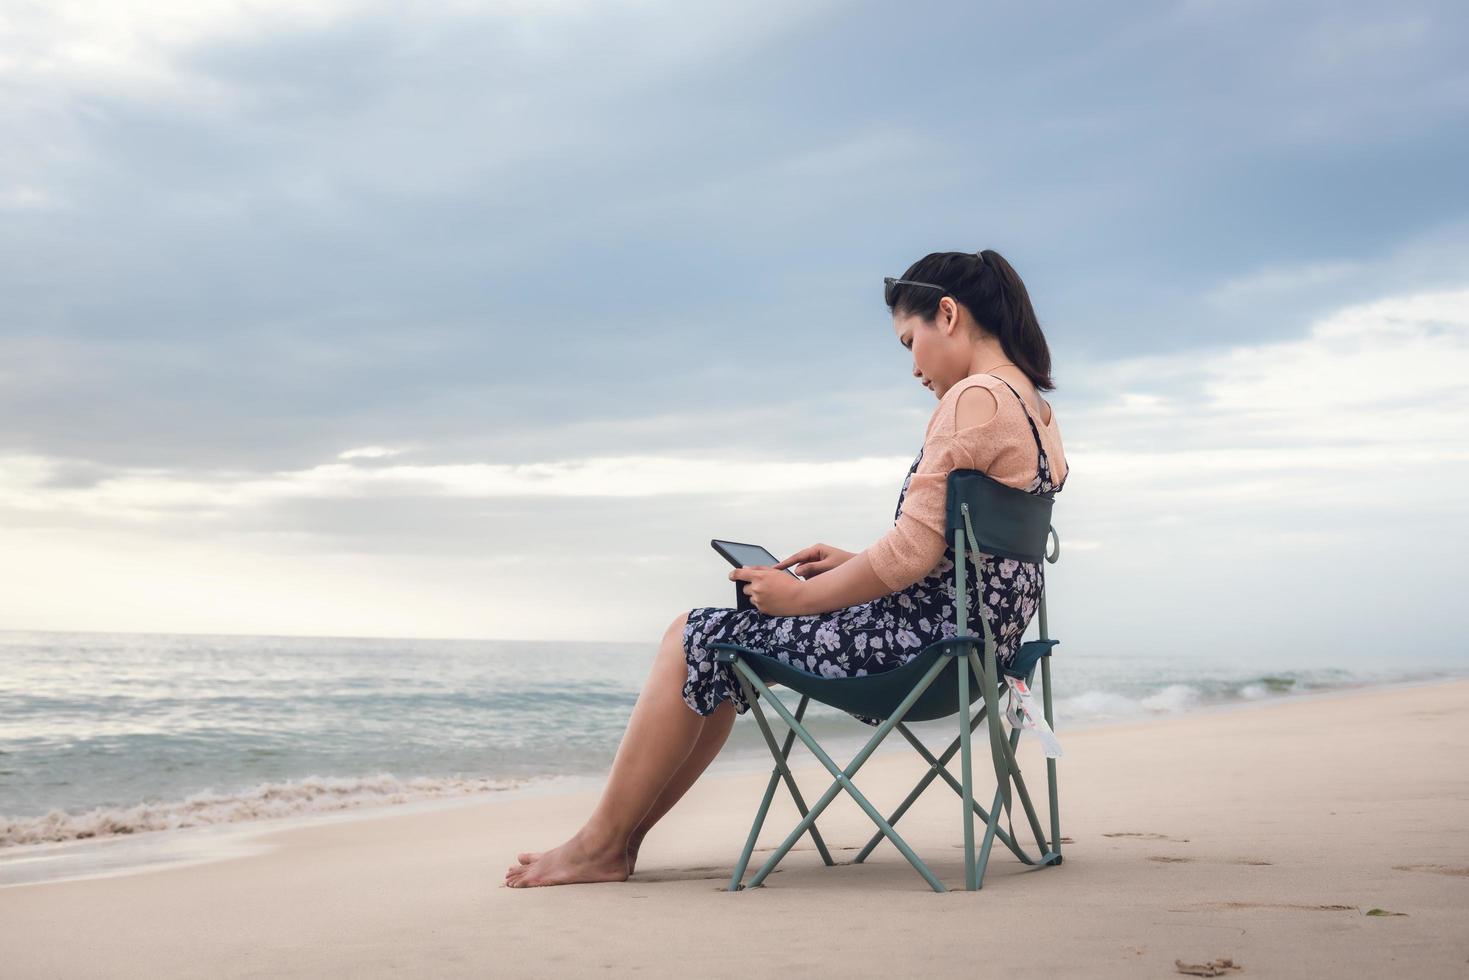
{"x": 874, "y": 636}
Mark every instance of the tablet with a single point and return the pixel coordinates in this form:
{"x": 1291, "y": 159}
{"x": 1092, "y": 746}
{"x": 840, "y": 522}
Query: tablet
{"x": 739, "y": 554}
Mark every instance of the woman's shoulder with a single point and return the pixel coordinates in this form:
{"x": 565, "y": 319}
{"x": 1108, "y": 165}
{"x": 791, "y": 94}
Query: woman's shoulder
{"x": 1044, "y": 415}
{"x": 946, "y": 416}
{"x": 951, "y": 397}
{"x": 989, "y": 381}
{"x": 1001, "y": 443}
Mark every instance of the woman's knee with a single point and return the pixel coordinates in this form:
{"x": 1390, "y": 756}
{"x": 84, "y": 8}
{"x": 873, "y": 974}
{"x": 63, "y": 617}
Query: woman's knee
{"x": 672, "y": 646}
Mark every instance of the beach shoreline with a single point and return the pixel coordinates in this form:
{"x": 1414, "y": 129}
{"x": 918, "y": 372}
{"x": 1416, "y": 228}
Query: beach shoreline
{"x": 119, "y": 855}
{"x": 1264, "y": 835}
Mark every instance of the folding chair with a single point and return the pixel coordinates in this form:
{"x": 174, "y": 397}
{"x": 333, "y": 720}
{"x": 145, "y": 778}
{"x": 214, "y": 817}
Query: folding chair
{"x": 994, "y": 519}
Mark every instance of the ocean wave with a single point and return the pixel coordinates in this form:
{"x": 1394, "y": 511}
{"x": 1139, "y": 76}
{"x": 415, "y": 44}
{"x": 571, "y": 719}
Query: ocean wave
{"x": 1142, "y": 700}
{"x": 312, "y": 794}
{"x": 1173, "y": 699}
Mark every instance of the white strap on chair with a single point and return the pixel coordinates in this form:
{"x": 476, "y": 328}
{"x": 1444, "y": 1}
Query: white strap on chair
{"x": 1029, "y": 718}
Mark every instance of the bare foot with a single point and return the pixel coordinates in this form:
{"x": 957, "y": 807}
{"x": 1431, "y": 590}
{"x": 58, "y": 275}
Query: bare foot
{"x": 632, "y": 852}
{"x": 572, "y": 862}
{"x": 526, "y": 857}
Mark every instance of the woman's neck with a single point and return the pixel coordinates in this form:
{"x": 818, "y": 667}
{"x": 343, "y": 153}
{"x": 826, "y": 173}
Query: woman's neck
{"x": 987, "y": 359}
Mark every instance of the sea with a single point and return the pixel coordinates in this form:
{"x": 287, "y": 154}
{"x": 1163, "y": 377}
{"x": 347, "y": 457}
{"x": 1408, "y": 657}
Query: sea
{"x": 111, "y": 736}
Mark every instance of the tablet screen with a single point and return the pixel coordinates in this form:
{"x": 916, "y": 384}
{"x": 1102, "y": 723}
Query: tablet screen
{"x": 749, "y": 554}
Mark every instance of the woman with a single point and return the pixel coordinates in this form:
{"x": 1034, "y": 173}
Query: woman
{"x": 978, "y": 347}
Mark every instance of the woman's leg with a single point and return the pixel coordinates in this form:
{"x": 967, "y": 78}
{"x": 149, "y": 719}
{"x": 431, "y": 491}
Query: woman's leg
{"x": 711, "y": 740}
{"x": 660, "y": 737}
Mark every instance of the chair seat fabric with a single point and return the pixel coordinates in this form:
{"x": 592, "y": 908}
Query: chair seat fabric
{"x": 878, "y": 695}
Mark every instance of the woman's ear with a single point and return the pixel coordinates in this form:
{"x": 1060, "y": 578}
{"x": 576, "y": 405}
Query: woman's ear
{"x": 948, "y": 318}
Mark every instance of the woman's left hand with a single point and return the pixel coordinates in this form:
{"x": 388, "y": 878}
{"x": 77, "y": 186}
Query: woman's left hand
{"x": 774, "y": 592}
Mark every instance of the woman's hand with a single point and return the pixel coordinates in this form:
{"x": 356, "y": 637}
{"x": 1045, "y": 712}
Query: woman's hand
{"x": 816, "y": 559}
{"x": 774, "y": 593}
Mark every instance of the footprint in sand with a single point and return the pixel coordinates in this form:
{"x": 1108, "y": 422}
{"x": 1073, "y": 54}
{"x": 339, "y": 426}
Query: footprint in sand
{"x": 1434, "y": 869}
{"x": 1276, "y": 905}
{"x": 1147, "y": 835}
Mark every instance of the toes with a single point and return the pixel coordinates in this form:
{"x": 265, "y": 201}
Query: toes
{"x": 526, "y": 857}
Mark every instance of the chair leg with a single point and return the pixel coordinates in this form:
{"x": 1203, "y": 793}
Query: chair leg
{"x": 844, "y": 776}
{"x": 780, "y": 758}
{"x": 990, "y": 830}
{"x": 966, "y": 777}
{"x": 993, "y": 831}
{"x": 936, "y": 768}
{"x": 785, "y": 754}
{"x": 1051, "y": 763}
{"x": 939, "y": 767}
{"x": 1013, "y": 774}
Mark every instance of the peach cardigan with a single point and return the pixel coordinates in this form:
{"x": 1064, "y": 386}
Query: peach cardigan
{"x": 1003, "y": 447}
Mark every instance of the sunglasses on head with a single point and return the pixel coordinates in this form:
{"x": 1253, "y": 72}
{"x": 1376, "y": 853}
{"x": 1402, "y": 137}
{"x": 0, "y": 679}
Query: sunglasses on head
{"x": 890, "y": 287}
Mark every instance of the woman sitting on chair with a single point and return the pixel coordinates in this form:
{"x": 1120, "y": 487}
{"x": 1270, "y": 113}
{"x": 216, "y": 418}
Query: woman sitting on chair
{"x": 978, "y": 347}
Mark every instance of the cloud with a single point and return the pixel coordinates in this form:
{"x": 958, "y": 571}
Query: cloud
{"x": 368, "y": 452}
{"x": 32, "y": 485}
{"x": 1205, "y": 463}
{"x": 1372, "y": 393}
{"x": 405, "y": 298}
{"x": 24, "y": 198}
{"x": 1268, "y": 284}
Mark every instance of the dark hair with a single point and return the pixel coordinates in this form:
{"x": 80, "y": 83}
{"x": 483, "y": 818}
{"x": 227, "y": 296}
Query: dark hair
{"x": 991, "y": 290}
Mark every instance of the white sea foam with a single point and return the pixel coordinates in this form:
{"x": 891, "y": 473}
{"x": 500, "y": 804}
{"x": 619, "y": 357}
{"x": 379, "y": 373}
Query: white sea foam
{"x": 313, "y": 794}
{"x": 1096, "y": 704}
{"x": 1172, "y": 699}
{"x": 1109, "y": 705}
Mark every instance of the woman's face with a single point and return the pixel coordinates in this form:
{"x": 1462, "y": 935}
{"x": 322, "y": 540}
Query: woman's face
{"x": 940, "y": 354}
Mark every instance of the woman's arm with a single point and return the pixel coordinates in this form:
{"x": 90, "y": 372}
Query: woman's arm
{"x": 850, "y": 583}
{"x": 909, "y": 552}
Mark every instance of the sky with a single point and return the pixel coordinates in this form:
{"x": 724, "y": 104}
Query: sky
{"x": 482, "y": 319}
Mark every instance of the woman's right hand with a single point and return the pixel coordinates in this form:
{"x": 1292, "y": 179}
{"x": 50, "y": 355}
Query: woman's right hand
{"x": 816, "y": 559}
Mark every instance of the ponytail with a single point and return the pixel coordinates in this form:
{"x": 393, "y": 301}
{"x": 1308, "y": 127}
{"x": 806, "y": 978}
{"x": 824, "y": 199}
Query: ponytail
{"x": 1019, "y": 330}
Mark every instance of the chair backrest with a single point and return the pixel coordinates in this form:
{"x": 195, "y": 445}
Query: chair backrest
{"x": 1007, "y": 522}
{"x": 996, "y": 519}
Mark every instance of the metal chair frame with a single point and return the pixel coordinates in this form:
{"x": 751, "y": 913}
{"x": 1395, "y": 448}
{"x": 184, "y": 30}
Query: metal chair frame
{"x": 1012, "y": 523}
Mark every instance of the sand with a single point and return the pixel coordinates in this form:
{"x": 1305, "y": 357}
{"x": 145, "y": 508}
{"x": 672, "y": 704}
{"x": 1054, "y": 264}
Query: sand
{"x": 1264, "y": 835}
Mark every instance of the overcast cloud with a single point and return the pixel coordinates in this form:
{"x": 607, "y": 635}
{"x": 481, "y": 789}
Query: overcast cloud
{"x": 482, "y": 319}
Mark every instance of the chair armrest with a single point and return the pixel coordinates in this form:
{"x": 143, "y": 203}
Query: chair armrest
{"x": 954, "y": 641}
{"x": 725, "y": 652}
